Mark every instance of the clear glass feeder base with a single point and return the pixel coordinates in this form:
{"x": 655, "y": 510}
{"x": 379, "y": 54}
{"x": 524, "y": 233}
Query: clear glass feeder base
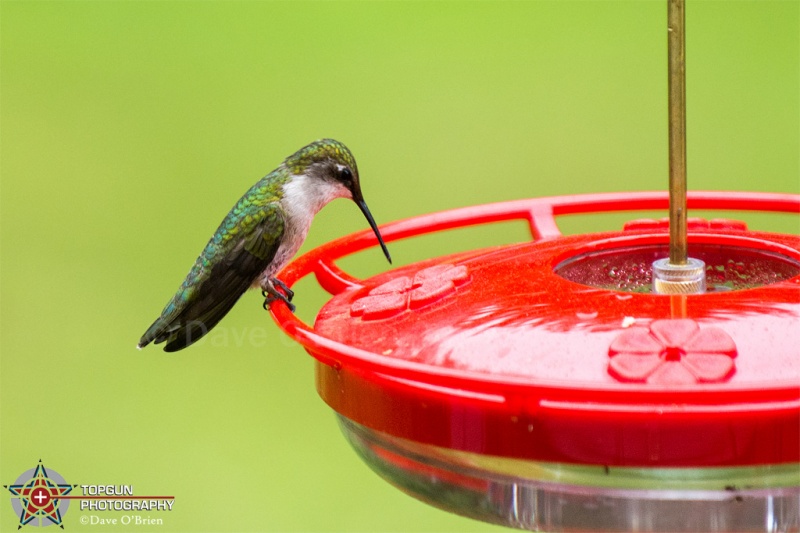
{"x": 558, "y": 497}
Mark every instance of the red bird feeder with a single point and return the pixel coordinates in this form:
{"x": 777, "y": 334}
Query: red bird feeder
{"x": 544, "y": 385}
{"x": 640, "y": 380}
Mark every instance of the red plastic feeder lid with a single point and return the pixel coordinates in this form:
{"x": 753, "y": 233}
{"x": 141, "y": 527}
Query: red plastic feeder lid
{"x": 555, "y": 350}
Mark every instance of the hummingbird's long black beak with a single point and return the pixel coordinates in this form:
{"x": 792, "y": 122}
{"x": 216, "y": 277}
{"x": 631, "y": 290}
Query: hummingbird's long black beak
{"x": 364, "y": 209}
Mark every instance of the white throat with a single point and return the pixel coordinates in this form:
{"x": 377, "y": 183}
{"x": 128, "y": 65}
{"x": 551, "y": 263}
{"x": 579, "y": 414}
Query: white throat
{"x": 303, "y": 197}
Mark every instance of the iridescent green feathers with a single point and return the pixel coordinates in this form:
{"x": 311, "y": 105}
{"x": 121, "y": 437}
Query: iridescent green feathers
{"x": 243, "y": 246}
{"x": 319, "y": 151}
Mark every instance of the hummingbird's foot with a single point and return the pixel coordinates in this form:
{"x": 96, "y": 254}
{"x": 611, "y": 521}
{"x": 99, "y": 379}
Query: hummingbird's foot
{"x": 271, "y": 294}
{"x": 282, "y": 286}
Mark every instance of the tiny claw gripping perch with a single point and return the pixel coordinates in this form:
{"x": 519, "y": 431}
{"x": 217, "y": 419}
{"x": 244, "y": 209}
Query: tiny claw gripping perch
{"x": 271, "y": 294}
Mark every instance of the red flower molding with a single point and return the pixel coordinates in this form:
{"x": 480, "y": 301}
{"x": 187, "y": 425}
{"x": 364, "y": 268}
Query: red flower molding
{"x": 429, "y": 285}
{"x": 672, "y": 352}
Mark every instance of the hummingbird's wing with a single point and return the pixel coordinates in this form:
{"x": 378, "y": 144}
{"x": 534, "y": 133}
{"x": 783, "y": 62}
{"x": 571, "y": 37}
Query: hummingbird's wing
{"x": 241, "y": 249}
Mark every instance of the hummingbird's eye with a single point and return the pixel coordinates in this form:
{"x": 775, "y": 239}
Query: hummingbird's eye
{"x": 346, "y": 175}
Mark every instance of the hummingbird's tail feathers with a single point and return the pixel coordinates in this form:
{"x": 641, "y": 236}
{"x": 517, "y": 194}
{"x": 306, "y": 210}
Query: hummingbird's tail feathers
{"x": 152, "y": 332}
{"x": 190, "y": 333}
{"x": 192, "y": 313}
{"x": 197, "y": 318}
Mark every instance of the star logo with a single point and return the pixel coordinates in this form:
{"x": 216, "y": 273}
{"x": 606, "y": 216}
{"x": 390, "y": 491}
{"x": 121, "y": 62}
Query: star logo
{"x": 37, "y": 497}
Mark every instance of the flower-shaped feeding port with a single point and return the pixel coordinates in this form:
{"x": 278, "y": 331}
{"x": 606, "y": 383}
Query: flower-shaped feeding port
{"x": 393, "y": 297}
{"x": 672, "y": 352}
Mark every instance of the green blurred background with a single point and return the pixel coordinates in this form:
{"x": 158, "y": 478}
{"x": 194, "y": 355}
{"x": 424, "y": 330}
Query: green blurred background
{"x": 128, "y": 129}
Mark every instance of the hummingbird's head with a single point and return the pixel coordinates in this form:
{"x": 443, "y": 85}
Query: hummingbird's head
{"x": 330, "y": 171}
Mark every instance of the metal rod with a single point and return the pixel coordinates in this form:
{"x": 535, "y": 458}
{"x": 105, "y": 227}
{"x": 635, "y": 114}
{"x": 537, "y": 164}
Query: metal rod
{"x": 676, "y": 22}
{"x": 679, "y": 274}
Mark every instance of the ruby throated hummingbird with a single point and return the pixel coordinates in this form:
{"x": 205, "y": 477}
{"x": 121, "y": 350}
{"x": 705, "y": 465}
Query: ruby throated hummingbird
{"x": 259, "y": 236}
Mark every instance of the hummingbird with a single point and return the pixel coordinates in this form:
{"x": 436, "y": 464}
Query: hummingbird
{"x": 260, "y": 234}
